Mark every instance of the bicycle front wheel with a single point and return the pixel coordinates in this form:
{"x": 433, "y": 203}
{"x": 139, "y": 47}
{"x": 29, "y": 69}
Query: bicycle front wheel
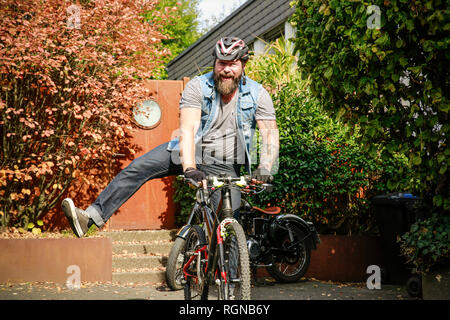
{"x": 236, "y": 285}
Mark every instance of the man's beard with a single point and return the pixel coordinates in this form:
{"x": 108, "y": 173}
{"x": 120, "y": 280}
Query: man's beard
{"x": 227, "y": 87}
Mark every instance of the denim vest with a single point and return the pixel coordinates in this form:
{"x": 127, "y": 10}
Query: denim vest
{"x": 245, "y": 113}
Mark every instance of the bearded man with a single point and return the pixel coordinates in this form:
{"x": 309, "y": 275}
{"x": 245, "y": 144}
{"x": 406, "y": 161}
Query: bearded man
{"x": 219, "y": 112}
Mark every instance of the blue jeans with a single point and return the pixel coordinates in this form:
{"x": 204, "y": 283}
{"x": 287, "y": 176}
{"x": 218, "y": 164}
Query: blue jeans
{"x": 156, "y": 163}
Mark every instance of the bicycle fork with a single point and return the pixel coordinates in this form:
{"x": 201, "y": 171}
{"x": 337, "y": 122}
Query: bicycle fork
{"x": 218, "y": 268}
{"x": 222, "y": 282}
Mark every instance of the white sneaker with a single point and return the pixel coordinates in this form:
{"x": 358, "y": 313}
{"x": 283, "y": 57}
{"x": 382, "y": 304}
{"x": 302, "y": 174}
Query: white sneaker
{"x": 78, "y": 219}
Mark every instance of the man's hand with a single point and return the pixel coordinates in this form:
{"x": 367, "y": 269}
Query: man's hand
{"x": 195, "y": 174}
{"x": 263, "y": 175}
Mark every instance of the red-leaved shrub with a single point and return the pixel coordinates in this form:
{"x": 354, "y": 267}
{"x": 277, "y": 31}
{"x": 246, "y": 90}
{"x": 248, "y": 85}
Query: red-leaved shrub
{"x": 70, "y": 75}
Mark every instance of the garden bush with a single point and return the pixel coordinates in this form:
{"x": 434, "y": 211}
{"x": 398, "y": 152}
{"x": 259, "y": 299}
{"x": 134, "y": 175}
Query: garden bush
{"x": 383, "y": 67}
{"x": 70, "y": 75}
{"x": 427, "y": 244}
{"x": 324, "y": 176}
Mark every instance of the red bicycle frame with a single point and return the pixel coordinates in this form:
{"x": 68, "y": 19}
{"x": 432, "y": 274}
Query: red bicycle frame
{"x": 188, "y": 264}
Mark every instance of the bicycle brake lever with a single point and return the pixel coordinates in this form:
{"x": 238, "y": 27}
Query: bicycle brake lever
{"x": 192, "y": 181}
{"x": 242, "y": 182}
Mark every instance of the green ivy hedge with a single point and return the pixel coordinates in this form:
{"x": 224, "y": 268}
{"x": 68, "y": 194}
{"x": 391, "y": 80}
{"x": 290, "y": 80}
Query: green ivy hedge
{"x": 383, "y": 66}
{"x": 324, "y": 175}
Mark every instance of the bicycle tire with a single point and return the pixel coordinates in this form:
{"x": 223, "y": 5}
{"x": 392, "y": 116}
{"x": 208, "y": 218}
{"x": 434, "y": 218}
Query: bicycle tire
{"x": 194, "y": 240}
{"x": 174, "y": 272}
{"x": 174, "y": 266}
{"x": 288, "y": 261}
{"x": 236, "y": 242}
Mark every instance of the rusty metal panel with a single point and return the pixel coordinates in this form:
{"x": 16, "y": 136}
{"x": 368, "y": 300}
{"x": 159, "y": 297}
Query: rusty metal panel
{"x": 23, "y": 260}
{"x": 344, "y": 258}
{"x": 151, "y": 207}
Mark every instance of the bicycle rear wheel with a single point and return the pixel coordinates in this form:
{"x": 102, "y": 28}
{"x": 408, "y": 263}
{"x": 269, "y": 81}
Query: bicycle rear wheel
{"x": 193, "y": 287}
{"x": 237, "y": 285}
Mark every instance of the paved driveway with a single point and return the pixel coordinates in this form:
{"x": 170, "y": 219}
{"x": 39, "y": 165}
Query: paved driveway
{"x": 269, "y": 290}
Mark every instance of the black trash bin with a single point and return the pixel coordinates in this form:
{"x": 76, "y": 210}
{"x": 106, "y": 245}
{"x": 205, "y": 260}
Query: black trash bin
{"x": 395, "y": 213}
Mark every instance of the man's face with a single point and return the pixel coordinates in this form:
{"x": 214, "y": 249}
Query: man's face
{"x": 227, "y": 75}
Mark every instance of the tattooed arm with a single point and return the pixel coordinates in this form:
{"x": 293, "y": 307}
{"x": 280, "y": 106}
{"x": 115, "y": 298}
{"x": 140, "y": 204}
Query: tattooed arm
{"x": 270, "y": 143}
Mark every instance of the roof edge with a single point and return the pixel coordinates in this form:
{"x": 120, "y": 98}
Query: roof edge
{"x": 229, "y": 17}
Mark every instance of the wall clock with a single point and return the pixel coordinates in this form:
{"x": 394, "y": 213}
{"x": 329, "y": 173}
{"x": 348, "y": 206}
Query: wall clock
{"x": 147, "y": 115}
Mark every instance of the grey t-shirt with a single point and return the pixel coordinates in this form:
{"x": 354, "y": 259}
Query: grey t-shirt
{"x": 220, "y": 144}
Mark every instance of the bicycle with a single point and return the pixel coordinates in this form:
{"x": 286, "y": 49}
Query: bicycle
{"x": 216, "y": 251}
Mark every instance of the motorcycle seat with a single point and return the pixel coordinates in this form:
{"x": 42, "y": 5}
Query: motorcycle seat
{"x": 270, "y": 210}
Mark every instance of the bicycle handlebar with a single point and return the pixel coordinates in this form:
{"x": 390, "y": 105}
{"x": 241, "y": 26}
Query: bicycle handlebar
{"x": 241, "y": 182}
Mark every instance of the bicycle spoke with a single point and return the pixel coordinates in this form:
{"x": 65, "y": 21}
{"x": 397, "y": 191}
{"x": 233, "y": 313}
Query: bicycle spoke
{"x": 193, "y": 270}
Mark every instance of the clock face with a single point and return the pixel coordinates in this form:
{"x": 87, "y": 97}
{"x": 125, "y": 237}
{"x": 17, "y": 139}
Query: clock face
{"x": 147, "y": 115}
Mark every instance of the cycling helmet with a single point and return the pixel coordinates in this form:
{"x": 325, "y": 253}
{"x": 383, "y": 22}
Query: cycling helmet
{"x": 231, "y": 48}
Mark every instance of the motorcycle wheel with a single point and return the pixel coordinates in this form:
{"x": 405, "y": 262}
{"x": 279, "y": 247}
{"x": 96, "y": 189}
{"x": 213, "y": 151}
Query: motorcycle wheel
{"x": 289, "y": 266}
{"x": 174, "y": 267}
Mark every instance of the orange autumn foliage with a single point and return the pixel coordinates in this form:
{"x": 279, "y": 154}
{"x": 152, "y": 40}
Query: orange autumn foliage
{"x": 69, "y": 76}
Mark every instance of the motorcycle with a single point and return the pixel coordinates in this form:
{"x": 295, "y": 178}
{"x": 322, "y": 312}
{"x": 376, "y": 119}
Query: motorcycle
{"x": 281, "y": 243}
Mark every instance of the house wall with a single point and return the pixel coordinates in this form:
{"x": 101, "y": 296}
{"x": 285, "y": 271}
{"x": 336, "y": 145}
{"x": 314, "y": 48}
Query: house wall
{"x": 252, "y": 20}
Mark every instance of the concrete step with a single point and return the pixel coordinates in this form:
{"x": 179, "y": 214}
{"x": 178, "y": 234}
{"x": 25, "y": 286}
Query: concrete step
{"x": 161, "y": 247}
{"x": 150, "y": 276}
{"x": 138, "y": 261}
{"x": 144, "y": 235}
{"x": 140, "y": 256}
